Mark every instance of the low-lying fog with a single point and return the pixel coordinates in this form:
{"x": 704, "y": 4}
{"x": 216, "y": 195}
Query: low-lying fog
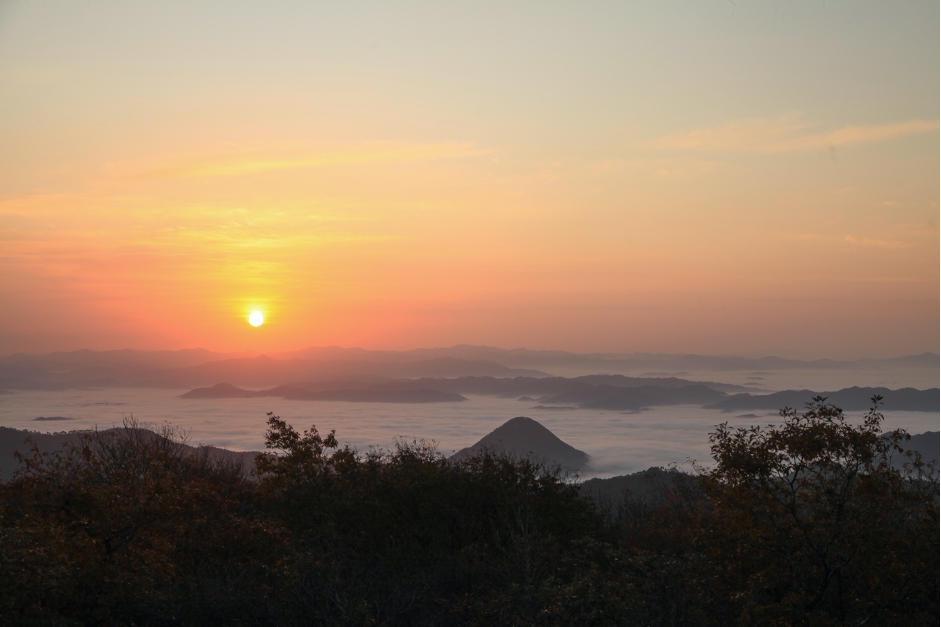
{"x": 618, "y": 442}
{"x": 810, "y": 378}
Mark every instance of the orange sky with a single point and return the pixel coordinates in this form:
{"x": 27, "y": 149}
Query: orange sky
{"x": 690, "y": 177}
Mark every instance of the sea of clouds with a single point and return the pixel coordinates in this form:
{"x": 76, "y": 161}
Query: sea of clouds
{"x": 618, "y": 442}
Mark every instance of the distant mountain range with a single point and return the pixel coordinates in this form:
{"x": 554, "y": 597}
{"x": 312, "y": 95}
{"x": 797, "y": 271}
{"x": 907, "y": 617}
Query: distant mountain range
{"x": 200, "y": 367}
{"x": 553, "y": 360}
{"x": 224, "y": 390}
{"x": 616, "y": 393}
{"x": 448, "y": 374}
{"x": 849, "y": 399}
{"x": 635, "y": 398}
{"x": 128, "y": 369}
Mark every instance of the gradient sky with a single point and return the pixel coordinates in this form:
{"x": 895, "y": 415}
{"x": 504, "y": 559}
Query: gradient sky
{"x": 713, "y": 177}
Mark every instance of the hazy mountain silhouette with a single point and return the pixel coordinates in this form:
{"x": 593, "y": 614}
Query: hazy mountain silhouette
{"x": 652, "y": 484}
{"x": 619, "y": 380}
{"x": 221, "y": 390}
{"x": 358, "y": 395}
{"x": 634, "y": 398}
{"x": 529, "y": 386}
{"x": 850, "y": 399}
{"x": 16, "y": 440}
{"x": 927, "y": 443}
{"x": 264, "y": 370}
{"x": 635, "y": 394}
{"x": 524, "y": 437}
{"x": 86, "y": 358}
{"x": 564, "y": 362}
{"x": 197, "y": 367}
{"x": 922, "y": 360}
{"x": 432, "y": 374}
{"x": 380, "y": 396}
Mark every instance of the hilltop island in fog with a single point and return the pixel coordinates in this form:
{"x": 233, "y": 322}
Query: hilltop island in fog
{"x": 523, "y": 437}
{"x": 618, "y": 393}
{"x": 628, "y": 411}
{"x": 548, "y": 379}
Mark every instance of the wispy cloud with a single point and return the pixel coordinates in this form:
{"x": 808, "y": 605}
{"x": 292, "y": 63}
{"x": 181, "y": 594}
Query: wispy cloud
{"x": 880, "y": 243}
{"x": 852, "y": 240}
{"x": 786, "y": 134}
{"x": 372, "y": 152}
{"x": 669, "y": 167}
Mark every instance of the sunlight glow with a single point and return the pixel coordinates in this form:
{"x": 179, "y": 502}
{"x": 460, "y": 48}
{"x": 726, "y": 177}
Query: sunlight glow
{"x": 394, "y": 175}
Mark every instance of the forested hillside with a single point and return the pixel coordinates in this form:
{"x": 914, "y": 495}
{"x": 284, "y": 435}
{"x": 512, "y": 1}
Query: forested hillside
{"x": 809, "y": 521}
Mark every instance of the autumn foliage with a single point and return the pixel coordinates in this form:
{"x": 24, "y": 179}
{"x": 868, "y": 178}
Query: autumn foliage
{"x": 809, "y": 522}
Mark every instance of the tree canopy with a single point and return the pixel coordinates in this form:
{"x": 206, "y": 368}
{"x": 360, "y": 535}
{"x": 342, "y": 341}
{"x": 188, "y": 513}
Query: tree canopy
{"x": 810, "y": 521}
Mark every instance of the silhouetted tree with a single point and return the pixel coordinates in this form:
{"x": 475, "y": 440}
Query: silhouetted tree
{"x": 812, "y": 522}
{"x": 809, "y": 521}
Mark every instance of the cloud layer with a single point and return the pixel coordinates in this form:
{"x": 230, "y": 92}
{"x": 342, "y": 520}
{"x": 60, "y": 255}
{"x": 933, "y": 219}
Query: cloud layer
{"x": 260, "y": 161}
{"x": 786, "y": 134}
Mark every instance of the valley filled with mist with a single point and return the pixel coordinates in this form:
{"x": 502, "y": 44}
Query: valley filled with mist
{"x": 628, "y": 412}
{"x": 465, "y": 485}
{"x": 469, "y": 313}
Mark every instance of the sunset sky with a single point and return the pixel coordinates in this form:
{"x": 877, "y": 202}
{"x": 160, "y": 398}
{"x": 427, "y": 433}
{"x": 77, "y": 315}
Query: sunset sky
{"x": 712, "y": 177}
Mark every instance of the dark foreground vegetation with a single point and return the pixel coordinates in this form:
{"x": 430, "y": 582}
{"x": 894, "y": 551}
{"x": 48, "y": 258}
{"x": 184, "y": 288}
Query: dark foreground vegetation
{"x": 805, "y": 523}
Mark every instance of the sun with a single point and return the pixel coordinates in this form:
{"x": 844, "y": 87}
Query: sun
{"x": 256, "y": 318}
